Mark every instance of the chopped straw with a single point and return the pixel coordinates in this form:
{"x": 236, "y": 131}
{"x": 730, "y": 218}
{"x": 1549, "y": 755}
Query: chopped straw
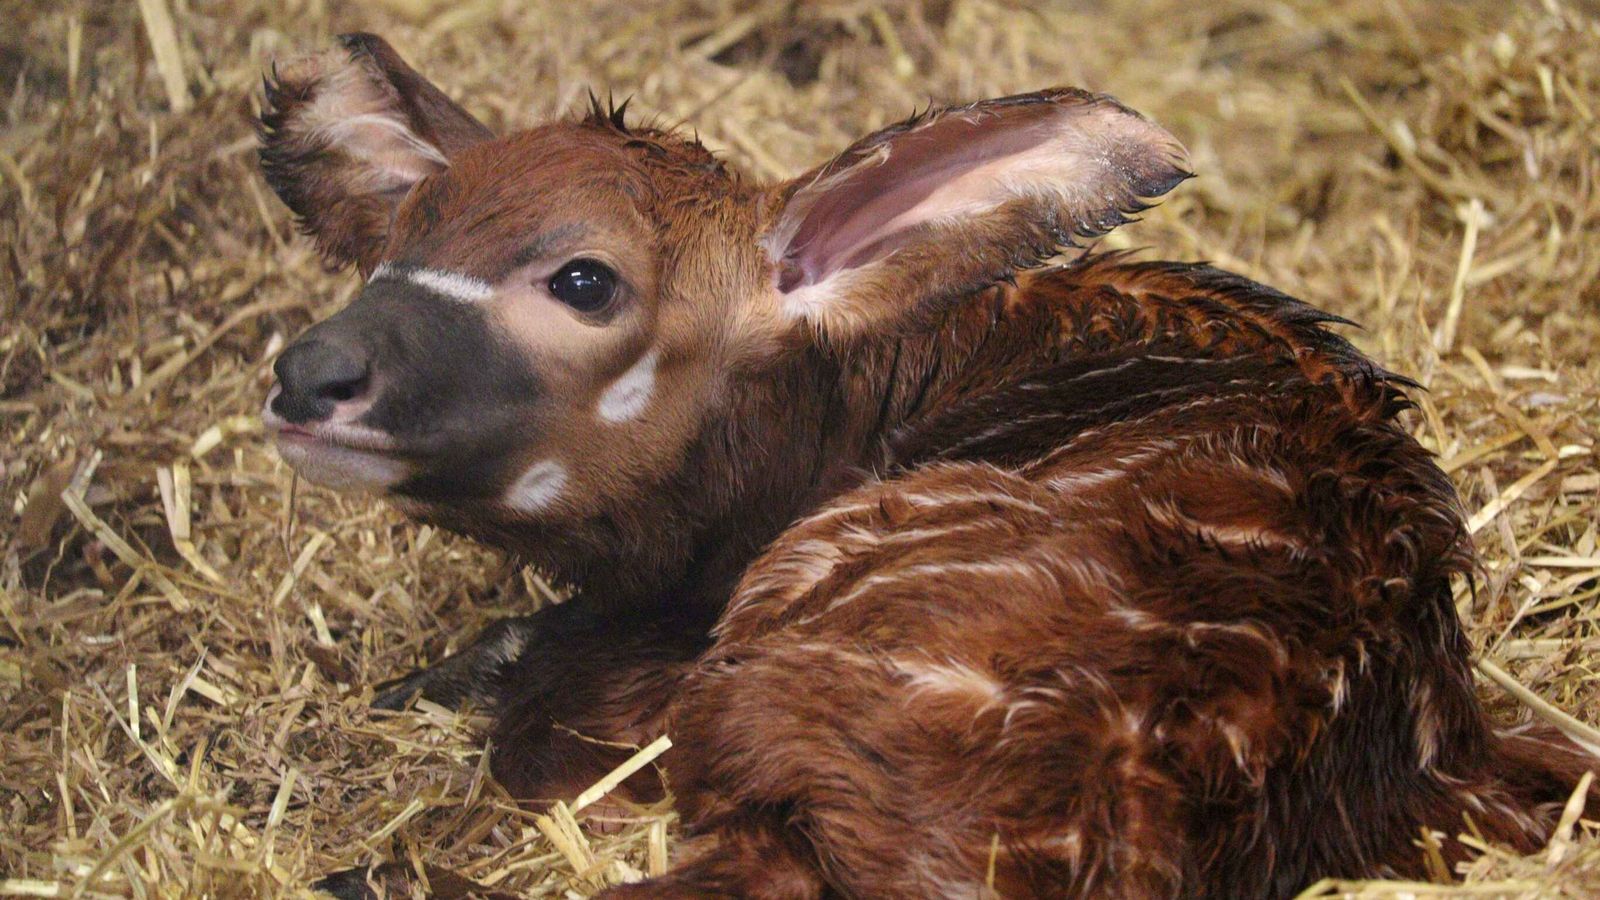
{"x": 188, "y": 638}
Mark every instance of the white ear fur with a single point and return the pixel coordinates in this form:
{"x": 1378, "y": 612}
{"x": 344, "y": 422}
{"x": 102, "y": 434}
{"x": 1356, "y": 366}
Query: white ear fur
{"x": 345, "y": 134}
{"x": 828, "y": 299}
{"x": 356, "y": 116}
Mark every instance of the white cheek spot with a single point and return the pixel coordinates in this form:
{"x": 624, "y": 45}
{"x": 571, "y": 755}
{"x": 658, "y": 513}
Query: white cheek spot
{"x": 538, "y": 487}
{"x": 630, "y": 394}
{"x": 451, "y": 285}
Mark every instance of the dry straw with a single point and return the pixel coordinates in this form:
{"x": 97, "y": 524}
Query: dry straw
{"x": 186, "y": 638}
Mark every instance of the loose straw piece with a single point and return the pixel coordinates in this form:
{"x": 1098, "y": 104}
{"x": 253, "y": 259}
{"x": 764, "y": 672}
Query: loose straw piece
{"x": 657, "y": 853}
{"x": 1585, "y": 735}
{"x": 620, "y": 774}
{"x": 292, "y": 577}
{"x": 1561, "y": 839}
{"x": 562, "y": 830}
{"x": 1334, "y": 887}
{"x": 30, "y": 887}
{"x": 164, "y": 45}
{"x": 410, "y": 812}
{"x": 123, "y": 550}
{"x": 1508, "y": 496}
{"x": 1472, "y": 214}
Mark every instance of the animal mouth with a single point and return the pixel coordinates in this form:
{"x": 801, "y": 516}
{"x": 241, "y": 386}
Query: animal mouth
{"x": 339, "y": 436}
{"x": 341, "y": 455}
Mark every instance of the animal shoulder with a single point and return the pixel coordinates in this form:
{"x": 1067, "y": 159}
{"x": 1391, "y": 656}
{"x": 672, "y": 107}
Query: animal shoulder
{"x": 1107, "y": 340}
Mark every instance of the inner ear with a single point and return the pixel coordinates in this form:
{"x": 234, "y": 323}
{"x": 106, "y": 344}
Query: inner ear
{"x": 426, "y": 112}
{"x": 951, "y": 167}
{"x": 347, "y": 134}
{"x": 360, "y": 116}
{"x": 952, "y": 199}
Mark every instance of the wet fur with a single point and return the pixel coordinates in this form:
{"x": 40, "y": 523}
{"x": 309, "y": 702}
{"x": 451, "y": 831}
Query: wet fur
{"x": 1162, "y": 608}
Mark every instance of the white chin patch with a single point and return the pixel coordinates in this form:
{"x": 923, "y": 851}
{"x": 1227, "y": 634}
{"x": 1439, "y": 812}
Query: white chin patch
{"x": 341, "y": 468}
{"x": 538, "y": 488}
{"x": 628, "y": 396}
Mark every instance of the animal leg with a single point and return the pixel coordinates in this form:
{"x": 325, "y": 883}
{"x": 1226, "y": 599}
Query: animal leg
{"x": 575, "y": 689}
{"x": 474, "y": 674}
{"x": 886, "y": 775}
{"x": 590, "y": 686}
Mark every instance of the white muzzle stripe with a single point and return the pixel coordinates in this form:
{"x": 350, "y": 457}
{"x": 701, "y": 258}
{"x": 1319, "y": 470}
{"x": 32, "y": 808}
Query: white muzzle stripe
{"x": 450, "y": 285}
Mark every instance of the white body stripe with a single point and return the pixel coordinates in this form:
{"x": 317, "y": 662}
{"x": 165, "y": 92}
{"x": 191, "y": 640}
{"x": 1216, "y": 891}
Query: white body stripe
{"x": 538, "y": 487}
{"x": 628, "y": 396}
{"x": 453, "y": 285}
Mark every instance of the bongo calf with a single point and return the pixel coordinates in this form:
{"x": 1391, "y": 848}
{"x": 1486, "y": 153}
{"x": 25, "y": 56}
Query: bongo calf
{"x": 948, "y": 567}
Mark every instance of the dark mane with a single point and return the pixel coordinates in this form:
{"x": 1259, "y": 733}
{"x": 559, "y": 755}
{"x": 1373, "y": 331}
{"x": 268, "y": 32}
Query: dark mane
{"x": 655, "y": 144}
{"x": 610, "y": 114}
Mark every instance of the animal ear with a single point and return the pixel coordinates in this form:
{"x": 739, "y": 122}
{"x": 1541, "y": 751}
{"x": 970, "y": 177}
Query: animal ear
{"x": 954, "y": 200}
{"x": 346, "y": 134}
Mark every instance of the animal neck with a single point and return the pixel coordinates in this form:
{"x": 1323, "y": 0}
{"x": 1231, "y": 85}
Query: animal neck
{"x": 826, "y": 421}
{"x": 785, "y": 442}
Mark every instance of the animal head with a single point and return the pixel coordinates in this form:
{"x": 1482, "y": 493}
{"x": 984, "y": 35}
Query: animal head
{"x": 552, "y": 317}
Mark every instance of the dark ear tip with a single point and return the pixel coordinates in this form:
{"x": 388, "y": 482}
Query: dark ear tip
{"x": 272, "y": 85}
{"x": 357, "y": 41}
{"x": 1161, "y": 182}
{"x": 367, "y": 46}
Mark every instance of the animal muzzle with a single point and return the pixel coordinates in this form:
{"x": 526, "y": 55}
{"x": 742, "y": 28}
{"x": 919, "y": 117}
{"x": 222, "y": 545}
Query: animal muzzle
{"x": 320, "y": 379}
{"x": 403, "y": 390}
{"x": 320, "y": 410}
{"x": 314, "y": 413}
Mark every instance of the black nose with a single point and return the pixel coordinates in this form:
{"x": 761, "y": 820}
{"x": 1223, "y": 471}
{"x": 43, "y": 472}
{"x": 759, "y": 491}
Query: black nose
{"x": 314, "y": 376}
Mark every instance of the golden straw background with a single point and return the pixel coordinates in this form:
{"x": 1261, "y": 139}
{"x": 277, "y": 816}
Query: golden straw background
{"x": 187, "y": 641}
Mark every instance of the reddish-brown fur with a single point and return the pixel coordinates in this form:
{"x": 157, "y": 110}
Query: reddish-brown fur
{"x": 1108, "y": 579}
{"x": 1187, "y": 633}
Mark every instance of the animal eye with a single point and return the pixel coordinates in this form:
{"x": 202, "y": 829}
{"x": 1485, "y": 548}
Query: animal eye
{"x": 584, "y": 284}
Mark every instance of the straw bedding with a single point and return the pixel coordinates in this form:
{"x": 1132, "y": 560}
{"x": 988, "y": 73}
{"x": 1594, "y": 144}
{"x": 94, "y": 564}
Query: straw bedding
{"x": 187, "y": 638}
